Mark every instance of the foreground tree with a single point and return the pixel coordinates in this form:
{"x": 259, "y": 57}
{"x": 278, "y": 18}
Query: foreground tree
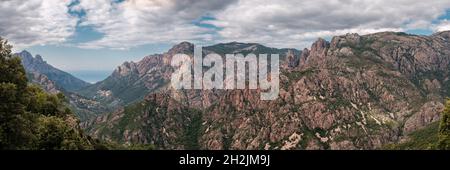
{"x": 15, "y": 123}
{"x": 30, "y": 118}
{"x": 444, "y": 128}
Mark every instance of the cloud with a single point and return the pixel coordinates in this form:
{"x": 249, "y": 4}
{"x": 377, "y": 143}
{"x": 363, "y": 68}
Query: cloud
{"x": 444, "y": 25}
{"x": 292, "y": 23}
{"x": 36, "y": 22}
{"x": 287, "y": 23}
{"x": 137, "y": 22}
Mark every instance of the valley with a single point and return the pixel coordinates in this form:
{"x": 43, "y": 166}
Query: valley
{"x": 353, "y": 92}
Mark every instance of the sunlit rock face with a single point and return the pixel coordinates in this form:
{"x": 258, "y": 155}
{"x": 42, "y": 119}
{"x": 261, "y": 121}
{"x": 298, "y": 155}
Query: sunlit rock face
{"x": 355, "y": 92}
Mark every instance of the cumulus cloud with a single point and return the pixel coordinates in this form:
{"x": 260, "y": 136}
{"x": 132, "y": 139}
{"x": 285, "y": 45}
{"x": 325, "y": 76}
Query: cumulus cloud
{"x": 444, "y": 25}
{"x": 137, "y": 22}
{"x": 278, "y": 23}
{"x": 292, "y": 23}
{"x": 36, "y": 22}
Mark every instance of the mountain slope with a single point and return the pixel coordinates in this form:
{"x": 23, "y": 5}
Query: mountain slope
{"x": 131, "y": 81}
{"x": 83, "y": 107}
{"x": 39, "y": 73}
{"x": 355, "y": 92}
{"x": 422, "y": 139}
{"x": 30, "y": 118}
{"x": 61, "y": 78}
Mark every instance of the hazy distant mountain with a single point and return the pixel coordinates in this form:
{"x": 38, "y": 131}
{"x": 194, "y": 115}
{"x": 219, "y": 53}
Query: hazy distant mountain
{"x": 355, "y": 92}
{"x": 61, "y": 78}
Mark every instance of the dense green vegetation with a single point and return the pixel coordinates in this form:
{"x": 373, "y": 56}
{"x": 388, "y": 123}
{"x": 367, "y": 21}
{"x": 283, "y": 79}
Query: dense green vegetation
{"x": 147, "y": 115}
{"x": 31, "y": 118}
{"x": 434, "y": 136}
{"x": 444, "y": 128}
{"x": 422, "y": 139}
{"x": 193, "y": 131}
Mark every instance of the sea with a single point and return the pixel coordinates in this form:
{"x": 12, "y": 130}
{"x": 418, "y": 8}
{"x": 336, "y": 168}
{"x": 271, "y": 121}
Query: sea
{"x": 91, "y": 76}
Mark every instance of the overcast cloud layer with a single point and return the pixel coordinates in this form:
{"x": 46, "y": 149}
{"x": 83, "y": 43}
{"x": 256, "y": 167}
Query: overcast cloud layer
{"x": 279, "y": 23}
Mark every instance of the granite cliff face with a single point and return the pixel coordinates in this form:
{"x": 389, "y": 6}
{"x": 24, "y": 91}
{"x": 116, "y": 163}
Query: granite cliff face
{"x": 132, "y": 81}
{"x": 43, "y": 81}
{"x": 355, "y": 92}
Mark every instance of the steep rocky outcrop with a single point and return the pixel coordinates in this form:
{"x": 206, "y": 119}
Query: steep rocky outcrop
{"x": 355, "y": 92}
{"x": 147, "y": 122}
{"x": 61, "y": 78}
{"x": 292, "y": 60}
{"x": 132, "y": 81}
{"x": 83, "y": 107}
{"x": 43, "y": 81}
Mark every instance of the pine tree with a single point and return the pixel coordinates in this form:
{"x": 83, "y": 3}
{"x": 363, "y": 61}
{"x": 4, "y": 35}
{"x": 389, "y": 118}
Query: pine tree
{"x": 444, "y": 128}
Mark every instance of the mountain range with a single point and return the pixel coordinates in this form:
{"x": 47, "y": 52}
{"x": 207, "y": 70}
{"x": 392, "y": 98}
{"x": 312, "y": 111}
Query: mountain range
{"x": 57, "y": 81}
{"x": 354, "y": 92}
{"x": 131, "y": 81}
{"x": 38, "y": 65}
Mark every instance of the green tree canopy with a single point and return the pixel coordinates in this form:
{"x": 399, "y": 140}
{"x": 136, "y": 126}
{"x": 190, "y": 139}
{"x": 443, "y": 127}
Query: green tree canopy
{"x": 444, "y": 128}
{"x": 30, "y": 118}
{"x": 15, "y": 130}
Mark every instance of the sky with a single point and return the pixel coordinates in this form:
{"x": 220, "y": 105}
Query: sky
{"x": 95, "y": 36}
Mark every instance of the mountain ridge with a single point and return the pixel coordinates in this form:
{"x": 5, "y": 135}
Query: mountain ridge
{"x": 63, "y": 79}
{"x": 131, "y": 81}
{"x": 354, "y": 92}
{"x": 39, "y": 73}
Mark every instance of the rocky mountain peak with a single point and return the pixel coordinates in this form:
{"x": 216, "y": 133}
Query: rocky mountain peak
{"x": 59, "y": 77}
{"x": 443, "y": 34}
{"x": 320, "y": 46}
{"x": 355, "y": 92}
{"x": 25, "y": 54}
{"x": 26, "y": 57}
{"x": 126, "y": 68}
{"x": 291, "y": 59}
{"x": 304, "y": 56}
{"x": 338, "y": 41}
{"x": 182, "y": 48}
{"x": 316, "y": 54}
{"x": 39, "y": 58}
